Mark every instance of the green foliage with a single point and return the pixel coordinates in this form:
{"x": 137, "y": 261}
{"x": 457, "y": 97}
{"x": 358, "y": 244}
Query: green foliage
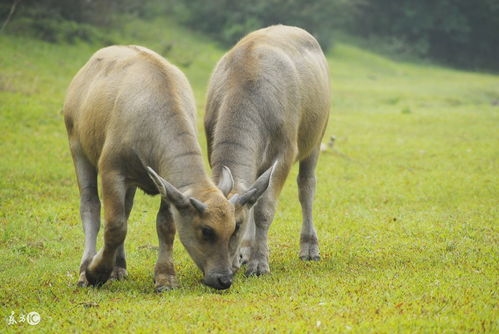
{"x": 228, "y": 20}
{"x": 458, "y": 32}
{"x": 100, "y": 12}
{"x": 461, "y": 33}
{"x": 406, "y": 206}
{"x": 60, "y": 21}
{"x": 57, "y": 30}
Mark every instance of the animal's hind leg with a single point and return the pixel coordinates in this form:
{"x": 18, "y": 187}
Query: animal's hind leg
{"x": 309, "y": 246}
{"x": 119, "y": 272}
{"x": 89, "y": 207}
{"x": 113, "y": 195}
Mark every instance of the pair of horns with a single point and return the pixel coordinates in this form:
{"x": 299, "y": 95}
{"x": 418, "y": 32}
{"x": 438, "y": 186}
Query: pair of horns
{"x": 226, "y": 185}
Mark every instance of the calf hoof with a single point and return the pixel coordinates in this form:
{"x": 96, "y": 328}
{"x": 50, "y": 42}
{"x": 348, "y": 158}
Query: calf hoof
{"x": 82, "y": 281}
{"x": 236, "y": 265}
{"x": 97, "y": 277}
{"x": 244, "y": 255}
{"x": 309, "y": 252}
{"x": 165, "y": 283}
{"x": 310, "y": 257}
{"x": 118, "y": 274}
{"x": 257, "y": 268}
{"x": 163, "y": 288}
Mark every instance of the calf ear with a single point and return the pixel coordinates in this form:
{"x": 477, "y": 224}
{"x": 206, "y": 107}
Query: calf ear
{"x": 257, "y": 189}
{"x": 168, "y": 192}
{"x": 226, "y": 182}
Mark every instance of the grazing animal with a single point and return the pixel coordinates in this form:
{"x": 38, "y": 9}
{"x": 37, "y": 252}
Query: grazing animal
{"x": 268, "y": 104}
{"x": 129, "y": 113}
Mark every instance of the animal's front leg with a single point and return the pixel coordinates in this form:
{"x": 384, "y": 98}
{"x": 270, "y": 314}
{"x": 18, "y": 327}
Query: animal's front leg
{"x": 113, "y": 192}
{"x": 247, "y": 241}
{"x": 119, "y": 271}
{"x": 264, "y": 211}
{"x": 259, "y": 258}
{"x": 164, "y": 272}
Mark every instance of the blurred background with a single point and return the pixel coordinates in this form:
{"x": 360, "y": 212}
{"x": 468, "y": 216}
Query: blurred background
{"x": 458, "y": 33}
{"x": 407, "y": 200}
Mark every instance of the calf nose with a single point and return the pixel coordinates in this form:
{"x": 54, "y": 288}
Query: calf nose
{"x": 219, "y": 281}
{"x": 225, "y": 282}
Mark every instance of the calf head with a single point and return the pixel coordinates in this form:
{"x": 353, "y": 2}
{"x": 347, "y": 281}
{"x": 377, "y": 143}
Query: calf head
{"x": 205, "y": 229}
{"x": 242, "y": 202}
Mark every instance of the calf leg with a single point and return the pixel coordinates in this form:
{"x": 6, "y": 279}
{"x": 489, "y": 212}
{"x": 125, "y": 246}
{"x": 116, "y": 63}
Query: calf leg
{"x": 309, "y": 247}
{"x": 247, "y": 241}
{"x": 113, "y": 194}
{"x": 164, "y": 272}
{"x": 89, "y": 207}
{"x": 263, "y": 215}
{"x": 119, "y": 272}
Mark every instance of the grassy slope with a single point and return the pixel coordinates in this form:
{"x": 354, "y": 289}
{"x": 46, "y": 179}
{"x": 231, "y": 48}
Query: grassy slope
{"x": 406, "y": 207}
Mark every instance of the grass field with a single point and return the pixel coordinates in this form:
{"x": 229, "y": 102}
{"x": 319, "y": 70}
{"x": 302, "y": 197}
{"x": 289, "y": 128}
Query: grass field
{"x": 406, "y": 207}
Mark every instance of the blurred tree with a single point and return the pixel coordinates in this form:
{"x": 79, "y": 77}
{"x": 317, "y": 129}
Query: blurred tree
{"x": 66, "y": 21}
{"x": 84, "y": 11}
{"x": 229, "y": 20}
{"x": 459, "y": 32}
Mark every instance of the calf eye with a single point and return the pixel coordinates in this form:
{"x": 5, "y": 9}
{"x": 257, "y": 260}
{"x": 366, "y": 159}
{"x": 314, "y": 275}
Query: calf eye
{"x": 208, "y": 233}
{"x": 238, "y": 224}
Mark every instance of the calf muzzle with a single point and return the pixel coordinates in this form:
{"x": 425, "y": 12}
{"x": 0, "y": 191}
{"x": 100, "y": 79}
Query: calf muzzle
{"x": 219, "y": 281}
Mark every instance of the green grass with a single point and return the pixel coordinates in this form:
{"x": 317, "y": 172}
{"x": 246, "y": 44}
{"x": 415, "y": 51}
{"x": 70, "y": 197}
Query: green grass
{"x": 406, "y": 207}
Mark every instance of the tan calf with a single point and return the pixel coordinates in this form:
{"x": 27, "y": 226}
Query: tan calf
{"x": 127, "y": 109}
{"x": 268, "y": 102}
